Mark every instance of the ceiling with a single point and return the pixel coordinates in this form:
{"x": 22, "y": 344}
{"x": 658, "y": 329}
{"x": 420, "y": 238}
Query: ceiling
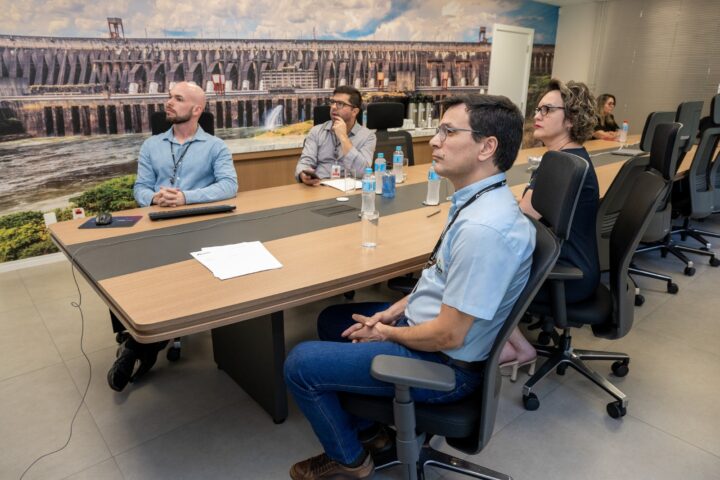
{"x": 565, "y": 3}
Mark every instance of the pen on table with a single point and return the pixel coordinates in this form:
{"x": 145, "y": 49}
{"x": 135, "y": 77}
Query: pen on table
{"x": 433, "y": 213}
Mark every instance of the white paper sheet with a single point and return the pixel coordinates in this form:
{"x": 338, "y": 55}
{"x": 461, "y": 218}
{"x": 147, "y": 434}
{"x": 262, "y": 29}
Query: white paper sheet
{"x": 228, "y": 261}
{"x": 339, "y": 183}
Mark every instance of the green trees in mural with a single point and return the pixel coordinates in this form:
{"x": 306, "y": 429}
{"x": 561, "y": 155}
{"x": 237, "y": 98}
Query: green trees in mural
{"x": 23, "y": 234}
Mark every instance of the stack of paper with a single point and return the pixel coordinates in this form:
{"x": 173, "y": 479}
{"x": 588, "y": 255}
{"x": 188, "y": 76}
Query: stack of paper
{"x": 339, "y": 183}
{"x": 230, "y": 261}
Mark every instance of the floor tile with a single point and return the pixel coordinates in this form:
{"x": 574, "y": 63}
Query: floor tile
{"x": 170, "y": 395}
{"x": 37, "y": 410}
{"x": 107, "y": 470}
{"x": 13, "y": 294}
{"x": 25, "y": 343}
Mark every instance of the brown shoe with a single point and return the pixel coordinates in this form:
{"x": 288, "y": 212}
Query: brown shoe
{"x": 382, "y": 441}
{"x": 322, "y": 466}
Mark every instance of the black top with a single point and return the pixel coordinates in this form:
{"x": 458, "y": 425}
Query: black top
{"x": 606, "y": 124}
{"x": 580, "y": 249}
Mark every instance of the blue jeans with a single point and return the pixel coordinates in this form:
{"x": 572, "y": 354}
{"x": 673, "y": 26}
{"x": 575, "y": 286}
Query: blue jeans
{"x": 316, "y": 371}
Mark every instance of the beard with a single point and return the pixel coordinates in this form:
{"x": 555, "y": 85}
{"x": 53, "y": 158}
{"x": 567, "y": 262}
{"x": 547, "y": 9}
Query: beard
{"x": 179, "y": 118}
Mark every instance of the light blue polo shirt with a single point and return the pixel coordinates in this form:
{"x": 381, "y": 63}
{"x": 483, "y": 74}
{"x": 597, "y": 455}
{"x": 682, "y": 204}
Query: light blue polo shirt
{"x": 483, "y": 265}
{"x": 206, "y": 173}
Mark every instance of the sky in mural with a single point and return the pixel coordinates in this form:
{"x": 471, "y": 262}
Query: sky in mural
{"x": 405, "y": 20}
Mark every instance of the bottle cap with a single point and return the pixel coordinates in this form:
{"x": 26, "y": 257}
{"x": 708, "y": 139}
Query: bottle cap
{"x": 398, "y": 148}
{"x": 368, "y": 171}
{"x": 380, "y": 155}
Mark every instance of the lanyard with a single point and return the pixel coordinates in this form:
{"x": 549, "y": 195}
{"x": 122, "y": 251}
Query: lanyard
{"x": 433, "y": 256}
{"x": 177, "y": 163}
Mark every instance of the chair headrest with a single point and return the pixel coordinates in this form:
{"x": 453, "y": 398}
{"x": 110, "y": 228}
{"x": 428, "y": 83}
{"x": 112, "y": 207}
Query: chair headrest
{"x": 558, "y": 183}
{"x": 664, "y": 151}
{"x": 159, "y": 123}
{"x": 321, "y": 114}
{"x": 384, "y": 115}
{"x": 715, "y": 109}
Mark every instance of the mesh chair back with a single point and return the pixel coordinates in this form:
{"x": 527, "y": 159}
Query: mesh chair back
{"x": 558, "y": 183}
{"x": 702, "y": 195}
{"x": 653, "y": 120}
{"x": 384, "y": 115}
{"x": 641, "y": 202}
{"x": 321, "y": 114}
{"x": 159, "y": 123}
{"x": 688, "y": 114}
{"x": 547, "y": 251}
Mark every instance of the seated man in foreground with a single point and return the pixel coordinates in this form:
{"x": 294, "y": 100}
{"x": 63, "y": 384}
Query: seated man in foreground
{"x": 475, "y": 274}
{"x": 341, "y": 143}
{"x": 181, "y": 166}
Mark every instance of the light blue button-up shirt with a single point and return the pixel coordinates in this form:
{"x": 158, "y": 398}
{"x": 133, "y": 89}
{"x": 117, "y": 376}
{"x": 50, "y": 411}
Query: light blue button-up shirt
{"x": 206, "y": 173}
{"x": 482, "y": 266}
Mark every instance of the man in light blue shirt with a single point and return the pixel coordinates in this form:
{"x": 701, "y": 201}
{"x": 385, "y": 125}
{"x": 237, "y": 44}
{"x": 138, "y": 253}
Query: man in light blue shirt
{"x": 341, "y": 143}
{"x": 181, "y": 166}
{"x": 475, "y": 274}
{"x": 185, "y": 164}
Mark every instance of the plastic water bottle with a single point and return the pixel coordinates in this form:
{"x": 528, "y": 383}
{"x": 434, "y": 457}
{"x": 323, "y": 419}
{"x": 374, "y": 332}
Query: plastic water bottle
{"x": 397, "y": 167}
{"x": 433, "y": 189}
{"x": 624, "y": 132}
{"x": 388, "y": 184}
{"x": 368, "y": 191}
{"x": 380, "y": 168}
{"x": 364, "y": 117}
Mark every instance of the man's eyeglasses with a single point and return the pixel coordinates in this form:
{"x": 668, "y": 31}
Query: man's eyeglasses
{"x": 339, "y": 103}
{"x": 442, "y": 131}
{"x": 543, "y": 110}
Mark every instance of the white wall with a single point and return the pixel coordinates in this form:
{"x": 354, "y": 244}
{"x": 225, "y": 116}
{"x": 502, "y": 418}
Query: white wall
{"x": 652, "y": 54}
{"x": 574, "y": 44}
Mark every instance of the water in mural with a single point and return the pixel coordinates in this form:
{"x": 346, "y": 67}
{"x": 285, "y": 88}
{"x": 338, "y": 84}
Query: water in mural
{"x": 42, "y": 173}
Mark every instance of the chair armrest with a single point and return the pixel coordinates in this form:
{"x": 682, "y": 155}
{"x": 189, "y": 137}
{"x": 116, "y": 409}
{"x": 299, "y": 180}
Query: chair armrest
{"x": 412, "y": 372}
{"x": 565, "y": 272}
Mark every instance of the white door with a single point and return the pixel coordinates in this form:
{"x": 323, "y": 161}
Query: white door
{"x": 510, "y": 63}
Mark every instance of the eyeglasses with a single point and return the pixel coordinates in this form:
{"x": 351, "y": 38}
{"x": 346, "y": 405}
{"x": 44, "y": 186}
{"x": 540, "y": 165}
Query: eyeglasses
{"x": 442, "y": 131}
{"x": 339, "y": 103}
{"x": 543, "y": 110}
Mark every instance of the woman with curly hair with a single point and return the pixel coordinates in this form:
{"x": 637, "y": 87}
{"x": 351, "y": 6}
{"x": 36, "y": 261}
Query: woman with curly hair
{"x": 606, "y": 128}
{"x": 564, "y": 120}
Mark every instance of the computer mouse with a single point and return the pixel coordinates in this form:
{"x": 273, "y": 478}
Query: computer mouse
{"x": 103, "y": 218}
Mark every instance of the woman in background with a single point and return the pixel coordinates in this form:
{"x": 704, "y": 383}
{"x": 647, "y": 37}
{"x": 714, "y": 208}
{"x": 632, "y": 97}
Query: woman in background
{"x": 606, "y": 128}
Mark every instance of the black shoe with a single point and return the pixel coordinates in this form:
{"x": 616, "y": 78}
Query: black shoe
{"x": 122, "y": 369}
{"x": 382, "y": 440}
{"x": 147, "y": 354}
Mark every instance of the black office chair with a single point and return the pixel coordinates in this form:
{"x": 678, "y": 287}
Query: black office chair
{"x": 384, "y": 115}
{"x": 610, "y": 311}
{"x": 321, "y": 114}
{"x": 159, "y": 123}
{"x": 658, "y": 235}
{"x": 694, "y": 195}
{"x": 467, "y": 425}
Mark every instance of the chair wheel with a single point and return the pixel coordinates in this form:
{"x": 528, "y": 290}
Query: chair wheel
{"x": 663, "y": 252}
{"x": 349, "y": 295}
{"x": 714, "y": 262}
{"x": 544, "y": 338}
{"x": 616, "y": 410}
{"x": 561, "y": 368}
{"x": 120, "y": 337}
{"x": 639, "y": 300}
{"x": 173, "y": 354}
{"x": 672, "y": 288}
{"x": 620, "y": 368}
{"x": 689, "y": 271}
{"x": 531, "y": 402}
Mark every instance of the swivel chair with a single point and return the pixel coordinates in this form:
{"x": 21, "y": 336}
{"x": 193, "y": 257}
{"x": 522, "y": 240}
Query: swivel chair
{"x": 610, "y": 311}
{"x": 321, "y": 114}
{"x": 467, "y": 424}
{"x": 160, "y": 124}
{"x": 384, "y": 115}
{"x": 694, "y": 194}
{"x": 658, "y": 235}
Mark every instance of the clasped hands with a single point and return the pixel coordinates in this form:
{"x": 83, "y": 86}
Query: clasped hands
{"x": 169, "y": 197}
{"x": 369, "y": 329}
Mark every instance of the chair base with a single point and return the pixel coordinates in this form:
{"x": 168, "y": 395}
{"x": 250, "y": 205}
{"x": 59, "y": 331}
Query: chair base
{"x": 431, "y": 457}
{"x": 562, "y": 356}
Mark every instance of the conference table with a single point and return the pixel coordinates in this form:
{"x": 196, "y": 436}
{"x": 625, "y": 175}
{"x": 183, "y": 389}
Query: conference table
{"x": 147, "y": 277}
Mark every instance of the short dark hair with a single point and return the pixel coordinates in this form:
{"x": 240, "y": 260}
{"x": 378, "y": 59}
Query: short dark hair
{"x": 355, "y": 97}
{"x": 493, "y": 116}
{"x": 579, "y": 108}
